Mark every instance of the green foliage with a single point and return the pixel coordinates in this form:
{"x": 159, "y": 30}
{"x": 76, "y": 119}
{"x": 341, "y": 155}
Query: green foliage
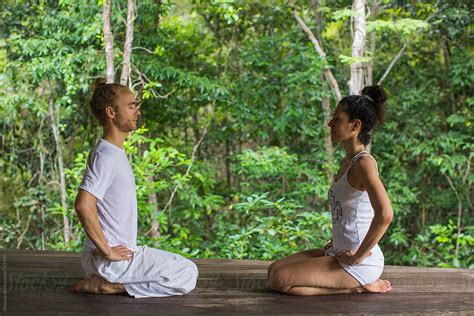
{"x": 263, "y": 229}
{"x": 402, "y": 26}
{"x": 241, "y": 79}
{"x": 343, "y": 14}
{"x": 348, "y": 60}
{"x": 266, "y": 162}
{"x": 436, "y": 246}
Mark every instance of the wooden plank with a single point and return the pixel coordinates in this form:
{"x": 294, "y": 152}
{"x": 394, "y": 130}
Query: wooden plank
{"x": 19, "y": 255}
{"x": 220, "y": 262}
{"x": 65, "y": 262}
{"x": 37, "y": 269}
{"x": 252, "y": 283}
{"x": 250, "y": 301}
{"x": 227, "y": 286}
{"x": 39, "y": 253}
{"x": 231, "y": 301}
{"x": 431, "y": 278}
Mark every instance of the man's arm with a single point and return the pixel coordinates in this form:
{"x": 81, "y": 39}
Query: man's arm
{"x": 86, "y": 210}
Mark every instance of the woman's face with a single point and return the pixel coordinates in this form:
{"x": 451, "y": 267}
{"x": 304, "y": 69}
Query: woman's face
{"x": 341, "y": 127}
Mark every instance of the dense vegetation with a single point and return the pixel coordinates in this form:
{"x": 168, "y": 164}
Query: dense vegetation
{"x": 231, "y": 159}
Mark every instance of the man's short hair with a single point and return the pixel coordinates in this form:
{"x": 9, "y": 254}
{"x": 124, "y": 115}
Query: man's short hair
{"x": 103, "y": 95}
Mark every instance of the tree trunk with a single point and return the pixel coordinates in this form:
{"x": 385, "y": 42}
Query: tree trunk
{"x": 155, "y": 226}
{"x": 319, "y": 22}
{"x": 326, "y": 103}
{"x": 127, "y": 46}
{"x": 227, "y": 165}
{"x": 54, "y": 118}
{"x": 401, "y": 51}
{"x": 447, "y": 63}
{"x": 152, "y": 199}
{"x": 330, "y": 78}
{"x": 282, "y": 139}
{"x": 197, "y": 133}
{"x": 356, "y": 81}
{"x": 326, "y": 70}
{"x": 327, "y": 135}
{"x": 369, "y": 75}
{"x": 373, "y": 39}
{"x": 460, "y": 207}
{"x": 109, "y": 42}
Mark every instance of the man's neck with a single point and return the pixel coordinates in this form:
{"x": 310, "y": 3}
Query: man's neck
{"x": 114, "y": 136}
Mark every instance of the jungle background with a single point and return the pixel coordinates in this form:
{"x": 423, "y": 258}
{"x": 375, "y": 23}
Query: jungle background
{"x": 233, "y": 157}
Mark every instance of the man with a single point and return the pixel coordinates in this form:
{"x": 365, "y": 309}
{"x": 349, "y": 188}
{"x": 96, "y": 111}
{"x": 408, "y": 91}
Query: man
{"x": 107, "y": 208}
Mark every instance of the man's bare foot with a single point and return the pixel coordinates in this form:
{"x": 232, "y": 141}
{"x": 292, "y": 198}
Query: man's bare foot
{"x": 97, "y": 285}
{"x": 379, "y": 286}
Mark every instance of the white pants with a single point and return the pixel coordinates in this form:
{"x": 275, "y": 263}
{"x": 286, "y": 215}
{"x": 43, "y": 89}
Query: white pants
{"x": 150, "y": 273}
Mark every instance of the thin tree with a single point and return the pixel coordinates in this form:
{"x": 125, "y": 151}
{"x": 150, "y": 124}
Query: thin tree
{"x": 54, "y": 122}
{"x": 109, "y": 42}
{"x": 405, "y": 45}
{"x": 369, "y": 71}
{"x": 325, "y": 100}
{"x": 356, "y": 82}
{"x": 127, "y": 46}
{"x": 326, "y": 70}
{"x": 357, "y": 71}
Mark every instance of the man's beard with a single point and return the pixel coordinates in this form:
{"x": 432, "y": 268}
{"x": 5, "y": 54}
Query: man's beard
{"x": 127, "y": 126}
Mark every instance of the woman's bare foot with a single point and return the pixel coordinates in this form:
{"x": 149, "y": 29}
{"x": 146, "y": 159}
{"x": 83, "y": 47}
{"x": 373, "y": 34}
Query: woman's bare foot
{"x": 379, "y": 286}
{"x": 97, "y": 285}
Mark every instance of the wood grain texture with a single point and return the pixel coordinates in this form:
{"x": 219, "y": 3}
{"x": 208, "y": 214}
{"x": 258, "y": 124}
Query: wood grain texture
{"x": 36, "y": 282}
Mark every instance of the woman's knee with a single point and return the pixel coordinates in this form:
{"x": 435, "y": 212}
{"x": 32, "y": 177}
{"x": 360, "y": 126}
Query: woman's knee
{"x": 280, "y": 279}
{"x": 274, "y": 265}
{"x": 271, "y": 267}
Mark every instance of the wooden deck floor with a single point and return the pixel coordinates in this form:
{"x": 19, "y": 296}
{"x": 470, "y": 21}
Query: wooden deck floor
{"x": 35, "y": 282}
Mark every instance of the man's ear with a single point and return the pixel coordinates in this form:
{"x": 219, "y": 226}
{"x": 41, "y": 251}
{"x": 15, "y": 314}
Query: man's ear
{"x": 109, "y": 112}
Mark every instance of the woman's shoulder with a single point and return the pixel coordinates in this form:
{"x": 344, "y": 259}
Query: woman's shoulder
{"x": 366, "y": 163}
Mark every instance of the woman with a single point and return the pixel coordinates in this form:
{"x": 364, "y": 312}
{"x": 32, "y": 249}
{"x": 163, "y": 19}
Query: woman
{"x": 361, "y": 213}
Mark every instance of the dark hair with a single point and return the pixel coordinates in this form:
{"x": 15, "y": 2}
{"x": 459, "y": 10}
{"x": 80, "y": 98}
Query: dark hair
{"x": 368, "y": 107}
{"x": 103, "y": 95}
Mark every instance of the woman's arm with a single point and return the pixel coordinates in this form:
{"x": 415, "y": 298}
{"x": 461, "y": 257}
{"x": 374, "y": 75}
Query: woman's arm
{"x": 383, "y": 212}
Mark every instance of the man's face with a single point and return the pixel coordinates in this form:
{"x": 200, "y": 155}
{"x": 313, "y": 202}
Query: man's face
{"x": 127, "y": 112}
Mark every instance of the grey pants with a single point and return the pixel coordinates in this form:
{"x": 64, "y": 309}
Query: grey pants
{"x": 150, "y": 273}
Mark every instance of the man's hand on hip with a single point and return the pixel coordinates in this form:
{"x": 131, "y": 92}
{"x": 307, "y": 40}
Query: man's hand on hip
{"x": 117, "y": 253}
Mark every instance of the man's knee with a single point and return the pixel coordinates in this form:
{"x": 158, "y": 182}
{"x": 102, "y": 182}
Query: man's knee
{"x": 193, "y": 273}
{"x": 193, "y": 270}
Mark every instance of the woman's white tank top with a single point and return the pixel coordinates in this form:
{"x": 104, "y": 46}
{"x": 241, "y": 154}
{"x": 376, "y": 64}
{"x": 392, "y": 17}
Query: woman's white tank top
{"x": 352, "y": 215}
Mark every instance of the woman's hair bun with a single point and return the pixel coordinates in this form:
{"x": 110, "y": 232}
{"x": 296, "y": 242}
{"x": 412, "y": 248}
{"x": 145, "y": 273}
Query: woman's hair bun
{"x": 379, "y": 96}
{"x": 99, "y": 82}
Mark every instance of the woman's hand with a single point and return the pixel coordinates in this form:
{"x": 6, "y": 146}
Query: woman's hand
{"x": 327, "y": 245}
{"x": 348, "y": 257}
{"x": 117, "y": 253}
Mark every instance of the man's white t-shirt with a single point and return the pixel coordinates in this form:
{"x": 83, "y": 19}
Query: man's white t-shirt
{"x": 110, "y": 179}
